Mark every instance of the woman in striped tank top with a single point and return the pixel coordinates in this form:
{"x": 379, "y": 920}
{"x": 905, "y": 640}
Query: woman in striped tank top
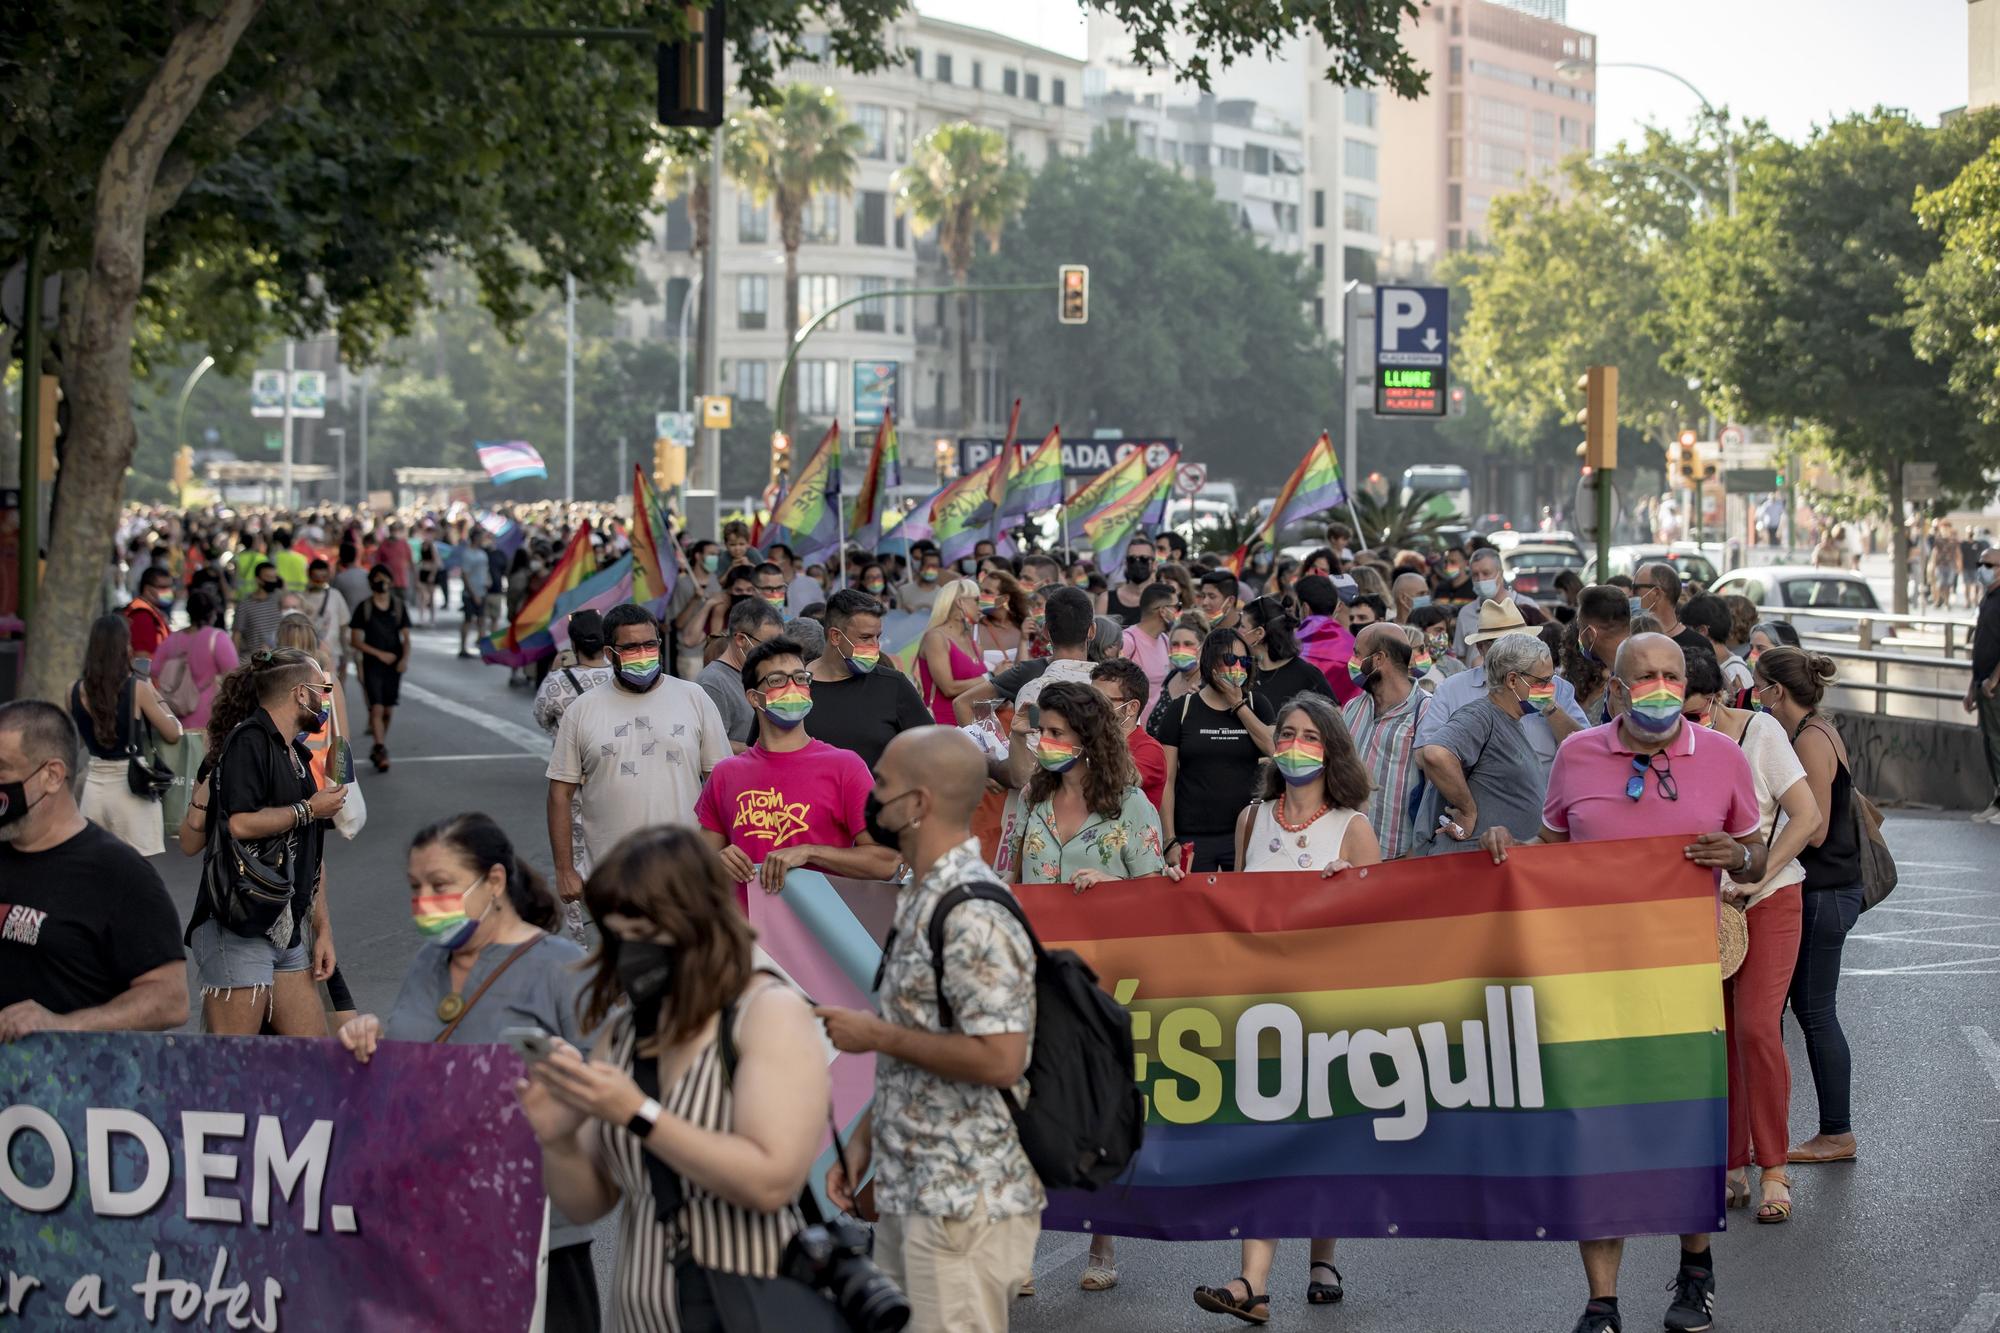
{"x": 655, "y": 1102}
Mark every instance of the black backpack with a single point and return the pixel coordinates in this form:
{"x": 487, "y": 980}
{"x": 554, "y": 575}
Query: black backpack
{"x": 1085, "y": 1117}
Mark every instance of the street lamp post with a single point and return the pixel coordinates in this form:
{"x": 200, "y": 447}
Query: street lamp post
{"x": 1611, "y": 166}
{"x": 1574, "y": 69}
{"x": 339, "y": 434}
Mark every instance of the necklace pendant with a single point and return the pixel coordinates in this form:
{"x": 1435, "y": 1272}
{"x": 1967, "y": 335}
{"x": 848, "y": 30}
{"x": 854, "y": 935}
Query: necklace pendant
{"x": 1277, "y": 844}
{"x": 1302, "y": 839}
{"x": 450, "y": 1007}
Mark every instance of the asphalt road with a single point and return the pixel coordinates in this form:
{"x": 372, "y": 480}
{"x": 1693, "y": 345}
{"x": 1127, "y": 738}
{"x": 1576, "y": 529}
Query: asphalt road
{"x": 1904, "y": 1239}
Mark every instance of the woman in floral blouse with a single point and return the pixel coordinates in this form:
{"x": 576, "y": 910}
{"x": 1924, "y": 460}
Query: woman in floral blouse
{"x": 1086, "y": 821}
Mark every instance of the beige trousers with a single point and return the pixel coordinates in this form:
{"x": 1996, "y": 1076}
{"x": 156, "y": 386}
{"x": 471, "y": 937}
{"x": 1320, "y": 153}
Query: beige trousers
{"x": 960, "y": 1273}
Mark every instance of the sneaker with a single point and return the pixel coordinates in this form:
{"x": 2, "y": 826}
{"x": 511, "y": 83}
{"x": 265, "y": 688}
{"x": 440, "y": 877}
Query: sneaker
{"x": 1598, "y": 1318}
{"x": 1991, "y": 814}
{"x": 1693, "y": 1309}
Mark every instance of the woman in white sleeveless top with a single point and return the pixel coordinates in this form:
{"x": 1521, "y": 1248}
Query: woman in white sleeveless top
{"x": 1306, "y": 815}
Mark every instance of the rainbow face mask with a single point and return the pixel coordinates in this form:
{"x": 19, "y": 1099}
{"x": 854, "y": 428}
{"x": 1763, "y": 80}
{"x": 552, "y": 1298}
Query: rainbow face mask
{"x": 1181, "y": 660}
{"x": 1541, "y": 698}
{"x": 788, "y": 705}
{"x": 988, "y": 605}
{"x": 860, "y": 660}
{"x": 1299, "y": 760}
{"x": 1232, "y": 676}
{"x": 636, "y": 669}
{"x": 1057, "y": 756}
{"x": 442, "y": 919}
{"x": 1657, "y": 707}
{"x": 1421, "y": 661}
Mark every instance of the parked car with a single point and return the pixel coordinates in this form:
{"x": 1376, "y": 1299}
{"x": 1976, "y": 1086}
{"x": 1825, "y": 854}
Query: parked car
{"x": 1532, "y": 568}
{"x": 1802, "y": 586}
{"x": 1507, "y": 540}
{"x": 1695, "y": 563}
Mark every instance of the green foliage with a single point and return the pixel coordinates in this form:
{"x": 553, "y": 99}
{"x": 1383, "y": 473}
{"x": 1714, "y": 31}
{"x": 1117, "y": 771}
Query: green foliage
{"x": 1362, "y": 43}
{"x": 962, "y": 183}
{"x": 1390, "y": 521}
{"x": 789, "y": 153}
{"x": 1955, "y": 304}
{"x": 1229, "y": 533}
{"x": 1195, "y": 330}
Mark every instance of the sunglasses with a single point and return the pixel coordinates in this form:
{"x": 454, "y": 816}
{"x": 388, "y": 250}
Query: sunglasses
{"x": 1231, "y": 659}
{"x": 1663, "y": 774}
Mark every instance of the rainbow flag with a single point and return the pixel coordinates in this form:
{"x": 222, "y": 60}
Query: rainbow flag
{"x": 530, "y": 638}
{"x": 655, "y": 557}
{"x": 507, "y": 534}
{"x": 957, "y": 511}
{"x": 608, "y": 587}
{"x": 1543, "y": 1055}
{"x": 1002, "y": 478}
{"x": 1313, "y": 487}
{"x": 1114, "y": 483}
{"x": 1110, "y": 529}
{"x": 1037, "y": 483}
{"x": 808, "y": 518}
{"x": 510, "y": 460}
{"x": 884, "y": 472}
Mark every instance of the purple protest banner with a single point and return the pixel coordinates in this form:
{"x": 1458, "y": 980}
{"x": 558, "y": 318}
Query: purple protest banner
{"x": 265, "y": 1183}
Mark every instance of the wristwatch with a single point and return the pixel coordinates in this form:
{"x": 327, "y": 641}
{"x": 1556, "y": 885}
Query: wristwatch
{"x": 1748, "y": 857}
{"x": 643, "y": 1119}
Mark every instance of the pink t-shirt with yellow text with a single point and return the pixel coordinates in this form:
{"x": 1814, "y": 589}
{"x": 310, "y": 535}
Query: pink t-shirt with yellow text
{"x": 813, "y": 796}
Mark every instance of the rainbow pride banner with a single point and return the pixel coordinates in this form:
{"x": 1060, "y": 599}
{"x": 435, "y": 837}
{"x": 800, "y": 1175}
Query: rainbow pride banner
{"x": 1447, "y": 1049}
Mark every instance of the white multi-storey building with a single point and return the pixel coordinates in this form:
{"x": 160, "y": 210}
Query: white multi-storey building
{"x": 901, "y": 349}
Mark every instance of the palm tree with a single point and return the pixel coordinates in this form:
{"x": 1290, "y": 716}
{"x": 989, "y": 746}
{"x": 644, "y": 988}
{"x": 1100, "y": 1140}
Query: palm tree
{"x": 962, "y": 182}
{"x": 785, "y": 155}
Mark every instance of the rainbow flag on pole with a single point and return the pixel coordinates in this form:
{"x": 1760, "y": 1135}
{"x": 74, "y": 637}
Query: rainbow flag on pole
{"x": 510, "y": 460}
{"x": 808, "y": 518}
{"x": 885, "y": 471}
{"x": 957, "y": 511}
{"x": 531, "y": 638}
{"x": 1002, "y": 478}
{"x": 1313, "y": 487}
{"x": 1110, "y": 529}
{"x": 1037, "y": 484}
{"x": 608, "y": 587}
{"x": 1114, "y": 483}
{"x": 655, "y": 557}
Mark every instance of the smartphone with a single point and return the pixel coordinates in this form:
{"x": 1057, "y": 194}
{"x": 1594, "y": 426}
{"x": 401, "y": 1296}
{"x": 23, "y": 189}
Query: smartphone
{"x": 532, "y": 1043}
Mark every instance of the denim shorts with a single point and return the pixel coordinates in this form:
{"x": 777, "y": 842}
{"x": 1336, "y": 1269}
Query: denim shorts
{"x": 225, "y": 961}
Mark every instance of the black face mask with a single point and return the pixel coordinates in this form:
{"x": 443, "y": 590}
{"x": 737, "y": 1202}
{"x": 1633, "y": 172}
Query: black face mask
{"x": 378, "y": 588}
{"x": 871, "y": 815}
{"x": 14, "y": 802}
{"x": 646, "y": 970}
{"x": 270, "y": 587}
{"x": 1138, "y": 569}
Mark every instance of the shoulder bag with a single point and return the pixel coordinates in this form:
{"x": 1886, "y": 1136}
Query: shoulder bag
{"x": 247, "y": 888}
{"x": 520, "y": 952}
{"x": 176, "y": 683}
{"x": 1878, "y": 867}
{"x": 144, "y": 773}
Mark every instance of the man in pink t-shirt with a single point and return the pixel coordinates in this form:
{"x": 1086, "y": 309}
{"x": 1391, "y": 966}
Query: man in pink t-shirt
{"x": 1646, "y": 773}
{"x": 1146, "y": 642}
{"x": 789, "y": 800}
{"x": 395, "y": 553}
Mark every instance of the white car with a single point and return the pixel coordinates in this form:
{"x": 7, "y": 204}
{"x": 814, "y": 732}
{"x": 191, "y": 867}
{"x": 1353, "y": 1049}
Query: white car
{"x": 1802, "y": 586}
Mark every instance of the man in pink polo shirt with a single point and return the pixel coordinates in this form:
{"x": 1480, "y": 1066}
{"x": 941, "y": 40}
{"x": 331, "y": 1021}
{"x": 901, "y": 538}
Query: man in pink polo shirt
{"x": 1644, "y": 774}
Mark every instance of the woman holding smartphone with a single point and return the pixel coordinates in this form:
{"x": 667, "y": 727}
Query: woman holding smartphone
{"x": 488, "y": 964}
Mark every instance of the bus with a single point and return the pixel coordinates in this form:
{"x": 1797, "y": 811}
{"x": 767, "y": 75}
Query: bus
{"x": 1452, "y": 486}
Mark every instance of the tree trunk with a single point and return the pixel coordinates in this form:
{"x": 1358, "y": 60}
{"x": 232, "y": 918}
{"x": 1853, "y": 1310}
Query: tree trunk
{"x": 97, "y": 376}
{"x": 1899, "y": 543}
{"x": 966, "y": 393}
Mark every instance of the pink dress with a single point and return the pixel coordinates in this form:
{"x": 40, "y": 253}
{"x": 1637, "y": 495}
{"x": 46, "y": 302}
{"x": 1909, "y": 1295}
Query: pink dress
{"x": 963, "y": 667}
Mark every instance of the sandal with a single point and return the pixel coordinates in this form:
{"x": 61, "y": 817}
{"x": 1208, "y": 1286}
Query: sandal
{"x": 1775, "y": 1210}
{"x": 1738, "y": 1188}
{"x": 1221, "y": 1300}
{"x": 1323, "y": 1293}
{"x": 1097, "y": 1277}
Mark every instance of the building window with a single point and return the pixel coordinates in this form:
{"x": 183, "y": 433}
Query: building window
{"x": 1454, "y": 240}
{"x": 900, "y": 305}
{"x": 753, "y": 301}
{"x": 1358, "y": 263}
{"x": 1032, "y": 83}
{"x": 1319, "y": 257}
{"x": 899, "y": 135}
{"x": 1545, "y": 133}
{"x": 1231, "y": 158}
{"x": 1319, "y": 208}
{"x": 1058, "y": 93}
{"x": 871, "y": 316}
{"x": 902, "y": 233}
{"x": 818, "y": 291}
{"x": 1456, "y": 65}
{"x": 1257, "y": 159}
{"x": 1454, "y": 113}
{"x": 1454, "y": 157}
{"x": 820, "y": 223}
{"x": 1498, "y": 164}
{"x": 1498, "y": 119}
{"x": 874, "y": 123}
{"x": 1010, "y": 82}
{"x": 916, "y": 62}
{"x": 1170, "y": 151}
{"x": 1456, "y": 23}
{"x": 978, "y": 75}
{"x": 753, "y": 220}
{"x": 944, "y": 67}
{"x": 678, "y": 233}
{"x": 819, "y": 388}
{"x": 1358, "y": 160}
{"x": 1319, "y": 313}
{"x": 1454, "y": 201}
{"x": 1361, "y": 105}
{"x": 752, "y": 380}
{"x": 871, "y": 218}
{"x": 1357, "y": 212}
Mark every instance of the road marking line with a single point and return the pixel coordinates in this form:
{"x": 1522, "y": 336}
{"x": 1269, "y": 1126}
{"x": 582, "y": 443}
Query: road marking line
{"x": 1932, "y": 911}
{"x": 1989, "y": 1055}
{"x": 1949, "y": 967}
{"x": 1938, "y": 865}
{"x": 1942, "y": 944}
{"x": 1985, "y": 1312}
{"x": 469, "y": 758}
{"x": 533, "y": 742}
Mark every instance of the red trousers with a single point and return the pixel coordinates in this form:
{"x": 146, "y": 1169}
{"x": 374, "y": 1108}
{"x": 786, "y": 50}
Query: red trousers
{"x": 1753, "y": 1005}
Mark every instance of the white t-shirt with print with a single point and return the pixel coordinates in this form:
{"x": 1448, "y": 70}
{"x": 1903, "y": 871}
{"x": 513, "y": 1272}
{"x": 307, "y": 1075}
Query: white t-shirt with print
{"x": 638, "y": 759}
{"x": 1776, "y": 767}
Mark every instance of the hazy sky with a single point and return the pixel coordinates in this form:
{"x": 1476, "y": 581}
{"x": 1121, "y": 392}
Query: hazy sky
{"x": 1794, "y": 62}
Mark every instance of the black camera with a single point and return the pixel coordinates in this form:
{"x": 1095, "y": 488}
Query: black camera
{"x": 834, "y": 1259}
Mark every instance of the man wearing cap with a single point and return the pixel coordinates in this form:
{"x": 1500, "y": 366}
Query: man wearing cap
{"x": 1490, "y": 584}
{"x": 1650, "y": 773}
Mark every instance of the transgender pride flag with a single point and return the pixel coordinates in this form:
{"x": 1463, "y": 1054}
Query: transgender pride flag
{"x": 511, "y": 460}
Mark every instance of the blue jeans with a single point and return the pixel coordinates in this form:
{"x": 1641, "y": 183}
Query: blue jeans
{"x": 1826, "y": 917}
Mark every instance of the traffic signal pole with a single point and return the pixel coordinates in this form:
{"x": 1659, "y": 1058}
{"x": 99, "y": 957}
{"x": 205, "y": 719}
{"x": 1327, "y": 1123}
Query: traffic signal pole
{"x": 30, "y": 572}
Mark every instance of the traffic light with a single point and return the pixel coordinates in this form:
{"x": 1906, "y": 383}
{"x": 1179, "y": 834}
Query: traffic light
{"x": 669, "y": 464}
{"x": 1457, "y": 400}
{"x": 1074, "y": 303}
{"x": 781, "y": 454}
{"x": 1684, "y": 456}
{"x": 691, "y": 73}
{"x": 183, "y": 469}
{"x": 1599, "y": 417}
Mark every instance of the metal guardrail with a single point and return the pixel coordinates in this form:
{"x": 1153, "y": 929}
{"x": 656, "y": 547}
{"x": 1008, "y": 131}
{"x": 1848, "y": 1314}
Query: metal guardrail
{"x": 1863, "y": 644}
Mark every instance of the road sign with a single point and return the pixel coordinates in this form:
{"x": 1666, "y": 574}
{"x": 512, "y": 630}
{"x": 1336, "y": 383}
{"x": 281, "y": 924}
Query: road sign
{"x": 1189, "y": 478}
{"x": 1749, "y": 480}
{"x": 309, "y": 393}
{"x": 674, "y": 428}
{"x": 1080, "y": 458}
{"x": 1920, "y": 481}
{"x": 1750, "y": 456}
{"x": 1732, "y": 437}
{"x": 267, "y": 393}
{"x": 717, "y": 412}
{"x": 1412, "y": 351}
{"x": 274, "y": 440}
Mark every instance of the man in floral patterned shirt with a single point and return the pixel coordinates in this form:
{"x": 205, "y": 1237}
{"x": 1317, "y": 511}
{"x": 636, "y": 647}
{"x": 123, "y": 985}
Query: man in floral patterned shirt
{"x": 960, "y": 1205}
